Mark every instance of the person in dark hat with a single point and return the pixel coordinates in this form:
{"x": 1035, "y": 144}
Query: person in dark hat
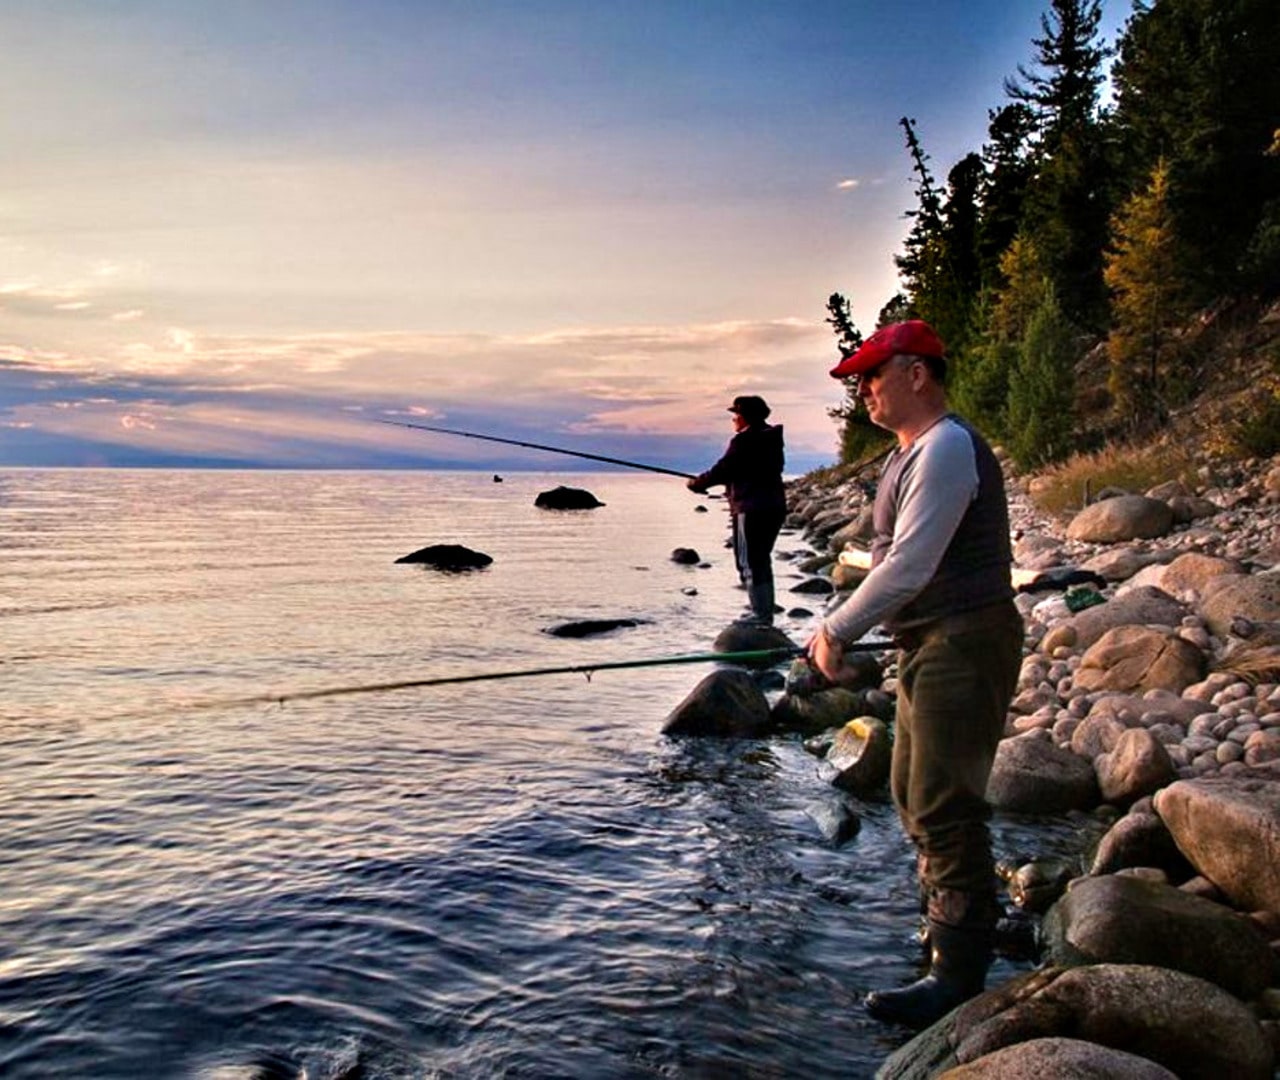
{"x": 751, "y": 472}
{"x": 940, "y": 584}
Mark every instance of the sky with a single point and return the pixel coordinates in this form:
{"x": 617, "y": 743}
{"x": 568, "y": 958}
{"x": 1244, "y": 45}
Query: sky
{"x": 244, "y": 233}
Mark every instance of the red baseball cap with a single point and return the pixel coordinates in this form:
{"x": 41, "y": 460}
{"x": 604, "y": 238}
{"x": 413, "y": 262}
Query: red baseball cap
{"x": 913, "y": 337}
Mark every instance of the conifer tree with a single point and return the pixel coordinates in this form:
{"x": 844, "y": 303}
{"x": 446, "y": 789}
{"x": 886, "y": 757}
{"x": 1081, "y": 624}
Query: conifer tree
{"x": 981, "y": 385}
{"x": 1041, "y": 418}
{"x": 1148, "y": 366}
{"x": 1007, "y": 171}
{"x": 1068, "y": 201}
{"x": 1198, "y": 84}
{"x": 858, "y": 435}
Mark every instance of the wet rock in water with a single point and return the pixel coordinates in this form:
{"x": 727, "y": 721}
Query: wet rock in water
{"x": 836, "y": 819}
{"x": 1037, "y": 885}
{"x": 1182, "y": 1022}
{"x": 815, "y": 586}
{"x": 1126, "y": 920}
{"x": 588, "y": 627}
{"x": 814, "y": 712}
{"x": 725, "y": 704}
{"x": 567, "y": 498}
{"x": 1061, "y": 1059}
{"x": 448, "y": 557}
{"x": 685, "y": 556}
{"x": 858, "y": 760}
{"x": 752, "y": 637}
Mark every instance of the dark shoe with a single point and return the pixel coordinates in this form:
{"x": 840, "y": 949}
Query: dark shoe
{"x": 761, "y": 597}
{"x": 960, "y": 958}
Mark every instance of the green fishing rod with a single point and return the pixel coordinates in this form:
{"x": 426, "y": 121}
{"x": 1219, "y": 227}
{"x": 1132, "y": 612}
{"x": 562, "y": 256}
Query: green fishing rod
{"x": 763, "y": 657}
{"x": 539, "y": 446}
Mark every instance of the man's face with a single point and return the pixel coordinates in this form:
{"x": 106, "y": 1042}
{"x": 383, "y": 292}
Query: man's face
{"x": 739, "y": 424}
{"x": 886, "y": 390}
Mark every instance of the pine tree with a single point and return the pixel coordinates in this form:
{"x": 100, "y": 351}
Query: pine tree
{"x": 1041, "y": 420}
{"x": 1068, "y": 202}
{"x": 1198, "y": 84}
{"x": 1007, "y": 172}
{"x": 1148, "y": 366}
{"x": 858, "y": 435}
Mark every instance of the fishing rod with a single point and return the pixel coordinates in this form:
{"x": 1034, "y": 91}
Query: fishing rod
{"x": 539, "y": 446}
{"x": 748, "y": 656}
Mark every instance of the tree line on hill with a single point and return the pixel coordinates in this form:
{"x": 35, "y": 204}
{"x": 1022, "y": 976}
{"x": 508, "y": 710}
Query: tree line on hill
{"x": 1078, "y": 222}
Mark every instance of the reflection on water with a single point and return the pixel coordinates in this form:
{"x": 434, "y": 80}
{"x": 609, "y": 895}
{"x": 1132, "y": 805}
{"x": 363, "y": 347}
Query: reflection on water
{"x": 517, "y": 877}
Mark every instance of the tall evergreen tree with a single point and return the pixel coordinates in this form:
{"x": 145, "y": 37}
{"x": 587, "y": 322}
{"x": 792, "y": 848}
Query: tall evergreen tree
{"x": 858, "y": 435}
{"x": 1198, "y": 84}
{"x": 1041, "y": 419}
{"x": 1007, "y": 172}
{"x": 1068, "y": 202}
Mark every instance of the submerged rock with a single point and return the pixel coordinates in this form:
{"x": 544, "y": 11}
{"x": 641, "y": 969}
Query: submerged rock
{"x": 567, "y": 498}
{"x": 726, "y": 704}
{"x": 448, "y": 557}
{"x": 587, "y": 627}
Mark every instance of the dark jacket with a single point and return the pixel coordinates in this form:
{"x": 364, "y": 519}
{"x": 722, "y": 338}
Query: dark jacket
{"x": 751, "y": 471}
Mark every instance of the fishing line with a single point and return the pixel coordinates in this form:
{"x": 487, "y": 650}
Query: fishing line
{"x": 539, "y": 446}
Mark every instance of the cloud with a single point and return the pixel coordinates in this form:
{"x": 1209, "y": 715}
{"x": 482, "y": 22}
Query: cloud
{"x": 290, "y": 396}
{"x": 848, "y": 185}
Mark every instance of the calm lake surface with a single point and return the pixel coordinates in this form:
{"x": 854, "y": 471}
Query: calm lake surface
{"x": 518, "y": 878}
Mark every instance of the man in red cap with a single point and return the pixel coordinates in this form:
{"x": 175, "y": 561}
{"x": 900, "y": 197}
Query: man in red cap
{"x": 940, "y": 584}
{"x": 751, "y": 471}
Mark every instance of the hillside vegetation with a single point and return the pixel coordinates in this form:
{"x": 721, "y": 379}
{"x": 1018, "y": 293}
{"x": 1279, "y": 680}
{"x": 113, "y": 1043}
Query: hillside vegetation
{"x": 1105, "y": 277}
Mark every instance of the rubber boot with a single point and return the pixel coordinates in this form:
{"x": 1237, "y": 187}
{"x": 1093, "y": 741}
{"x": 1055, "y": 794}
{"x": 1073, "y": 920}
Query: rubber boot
{"x": 761, "y": 598}
{"x": 958, "y": 972}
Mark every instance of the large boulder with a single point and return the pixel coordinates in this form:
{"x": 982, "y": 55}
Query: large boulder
{"x": 727, "y": 703}
{"x": 1229, "y": 829}
{"x": 567, "y": 498}
{"x": 1134, "y": 659}
{"x": 1127, "y": 920}
{"x": 450, "y": 557}
{"x": 1139, "y": 765}
{"x": 1255, "y": 597}
{"x": 754, "y": 637}
{"x": 1193, "y": 571}
{"x": 1059, "y": 1059}
{"x": 1185, "y": 1023}
{"x": 1142, "y": 606}
{"x": 1033, "y": 775}
{"x": 1125, "y": 517}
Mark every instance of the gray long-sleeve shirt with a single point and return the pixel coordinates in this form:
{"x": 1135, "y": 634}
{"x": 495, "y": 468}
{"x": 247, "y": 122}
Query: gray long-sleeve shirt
{"x": 942, "y": 535}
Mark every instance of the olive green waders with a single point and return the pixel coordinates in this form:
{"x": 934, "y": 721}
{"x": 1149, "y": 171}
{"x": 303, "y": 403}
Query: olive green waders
{"x": 956, "y": 677}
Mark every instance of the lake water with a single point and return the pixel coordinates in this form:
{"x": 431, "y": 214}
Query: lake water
{"x": 516, "y": 878}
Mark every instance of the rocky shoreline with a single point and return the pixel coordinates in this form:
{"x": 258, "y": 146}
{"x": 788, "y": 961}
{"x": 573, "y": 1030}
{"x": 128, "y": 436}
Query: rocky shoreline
{"x": 1149, "y": 699}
